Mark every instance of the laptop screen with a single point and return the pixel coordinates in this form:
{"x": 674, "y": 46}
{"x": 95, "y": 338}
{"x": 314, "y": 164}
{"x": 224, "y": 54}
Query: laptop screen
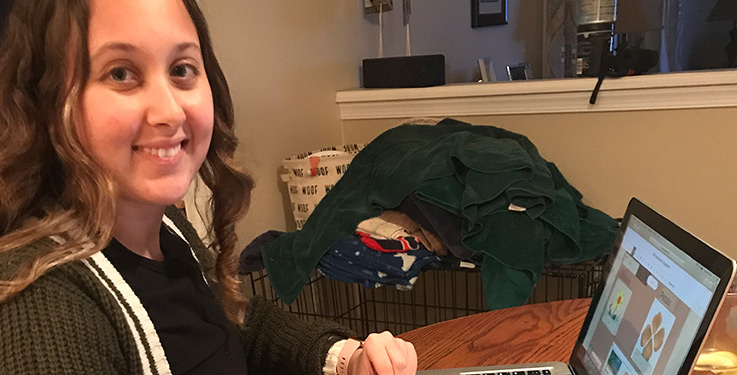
{"x": 650, "y": 310}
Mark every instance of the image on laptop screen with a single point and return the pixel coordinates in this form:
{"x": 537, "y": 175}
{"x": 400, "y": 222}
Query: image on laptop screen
{"x": 650, "y": 310}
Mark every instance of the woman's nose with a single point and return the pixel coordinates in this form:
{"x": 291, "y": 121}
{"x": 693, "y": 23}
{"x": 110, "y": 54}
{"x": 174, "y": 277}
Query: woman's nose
{"x": 164, "y": 106}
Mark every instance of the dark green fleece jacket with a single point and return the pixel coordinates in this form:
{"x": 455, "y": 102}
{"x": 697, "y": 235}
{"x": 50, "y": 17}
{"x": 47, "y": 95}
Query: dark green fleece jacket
{"x": 485, "y": 176}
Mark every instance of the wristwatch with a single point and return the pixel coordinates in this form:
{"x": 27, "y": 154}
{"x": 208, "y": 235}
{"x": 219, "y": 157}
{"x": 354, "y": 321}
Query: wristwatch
{"x": 350, "y": 347}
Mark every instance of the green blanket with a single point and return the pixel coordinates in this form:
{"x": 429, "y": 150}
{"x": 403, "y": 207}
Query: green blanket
{"x": 474, "y": 172}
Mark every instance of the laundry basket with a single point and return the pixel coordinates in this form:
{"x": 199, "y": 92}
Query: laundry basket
{"x": 310, "y": 175}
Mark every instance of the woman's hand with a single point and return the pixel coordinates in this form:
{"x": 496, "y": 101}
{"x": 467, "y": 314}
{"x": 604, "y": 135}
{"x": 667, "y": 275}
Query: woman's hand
{"x": 383, "y": 354}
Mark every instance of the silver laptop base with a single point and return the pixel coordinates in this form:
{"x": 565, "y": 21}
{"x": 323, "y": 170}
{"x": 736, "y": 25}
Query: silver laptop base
{"x": 556, "y": 368}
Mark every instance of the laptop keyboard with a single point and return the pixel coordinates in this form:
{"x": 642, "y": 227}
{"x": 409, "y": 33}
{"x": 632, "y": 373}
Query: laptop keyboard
{"x": 527, "y": 372}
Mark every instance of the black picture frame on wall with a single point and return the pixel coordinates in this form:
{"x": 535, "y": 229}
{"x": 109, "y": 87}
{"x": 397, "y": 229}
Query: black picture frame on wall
{"x": 488, "y": 12}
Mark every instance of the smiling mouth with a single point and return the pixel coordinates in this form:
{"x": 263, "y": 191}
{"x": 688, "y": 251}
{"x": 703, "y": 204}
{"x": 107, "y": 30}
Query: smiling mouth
{"x": 164, "y": 153}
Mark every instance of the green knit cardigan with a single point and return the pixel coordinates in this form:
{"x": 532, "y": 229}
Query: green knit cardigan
{"x": 82, "y": 318}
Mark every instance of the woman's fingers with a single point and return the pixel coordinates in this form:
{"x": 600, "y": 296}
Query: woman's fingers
{"x": 388, "y": 355}
{"x": 397, "y": 355}
{"x": 411, "y": 354}
{"x": 375, "y": 350}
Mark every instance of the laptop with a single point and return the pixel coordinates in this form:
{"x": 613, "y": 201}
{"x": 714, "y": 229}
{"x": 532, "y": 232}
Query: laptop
{"x": 662, "y": 288}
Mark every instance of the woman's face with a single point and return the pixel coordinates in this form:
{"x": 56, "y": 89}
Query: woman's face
{"x": 147, "y": 107}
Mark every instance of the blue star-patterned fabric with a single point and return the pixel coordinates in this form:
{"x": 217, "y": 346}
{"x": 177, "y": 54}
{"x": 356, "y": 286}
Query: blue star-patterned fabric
{"x": 349, "y": 260}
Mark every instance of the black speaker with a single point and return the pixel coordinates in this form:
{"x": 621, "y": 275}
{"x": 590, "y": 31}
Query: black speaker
{"x": 406, "y": 71}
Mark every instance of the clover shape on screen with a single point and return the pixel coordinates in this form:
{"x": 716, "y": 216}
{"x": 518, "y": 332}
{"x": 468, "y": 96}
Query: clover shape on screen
{"x": 652, "y": 337}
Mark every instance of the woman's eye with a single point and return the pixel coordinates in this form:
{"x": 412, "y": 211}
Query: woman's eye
{"x": 120, "y": 74}
{"x": 183, "y": 71}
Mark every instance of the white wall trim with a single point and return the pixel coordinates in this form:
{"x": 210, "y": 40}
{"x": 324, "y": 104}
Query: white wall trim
{"x": 711, "y": 89}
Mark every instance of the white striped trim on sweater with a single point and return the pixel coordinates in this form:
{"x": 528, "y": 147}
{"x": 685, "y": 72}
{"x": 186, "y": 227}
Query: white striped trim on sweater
{"x": 170, "y": 225}
{"x": 117, "y": 283}
{"x": 114, "y": 282}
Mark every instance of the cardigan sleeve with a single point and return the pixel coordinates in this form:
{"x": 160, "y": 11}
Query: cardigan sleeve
{"x": 56, "y": 326}
{"x": 277, "y": 342}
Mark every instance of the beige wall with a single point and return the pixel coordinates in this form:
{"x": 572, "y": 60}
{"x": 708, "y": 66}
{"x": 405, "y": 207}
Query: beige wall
{"x": 683, "y": 163}
{"x": 284, "y": 61}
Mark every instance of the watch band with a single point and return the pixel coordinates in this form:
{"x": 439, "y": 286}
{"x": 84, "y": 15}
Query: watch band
{"x": 350, "y": 347}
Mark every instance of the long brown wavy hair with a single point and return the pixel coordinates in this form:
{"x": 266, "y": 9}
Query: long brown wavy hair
{"x": 51, "y": 186}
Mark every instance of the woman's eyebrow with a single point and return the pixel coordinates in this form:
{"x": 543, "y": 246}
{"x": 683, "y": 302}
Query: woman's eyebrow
{"x": 127, "y": 47}
{"x": 112, "y": 46}
{"x": 187, "y": 45}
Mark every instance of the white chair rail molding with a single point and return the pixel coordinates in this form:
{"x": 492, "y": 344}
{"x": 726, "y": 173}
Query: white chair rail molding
{"x": 707, "y": 89}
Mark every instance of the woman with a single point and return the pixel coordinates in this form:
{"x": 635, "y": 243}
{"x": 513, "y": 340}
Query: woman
{"x": 108, "y": 110}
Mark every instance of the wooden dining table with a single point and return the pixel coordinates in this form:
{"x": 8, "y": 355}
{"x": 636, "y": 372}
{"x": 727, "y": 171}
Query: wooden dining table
{"x": 542, "y": 332}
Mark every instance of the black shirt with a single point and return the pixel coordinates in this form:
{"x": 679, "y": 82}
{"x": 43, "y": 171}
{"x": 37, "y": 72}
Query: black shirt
{"x": 194, "y": 331}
